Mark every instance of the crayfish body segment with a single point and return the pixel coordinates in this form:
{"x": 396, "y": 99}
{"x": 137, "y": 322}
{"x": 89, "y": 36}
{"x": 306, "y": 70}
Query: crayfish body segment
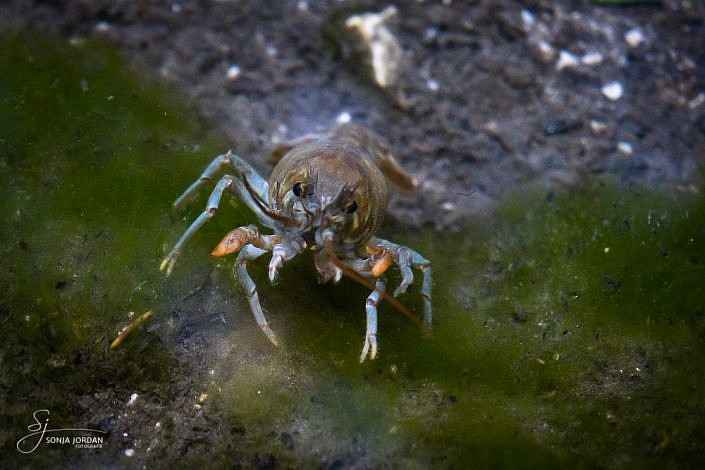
{"x": 327, "y": 194}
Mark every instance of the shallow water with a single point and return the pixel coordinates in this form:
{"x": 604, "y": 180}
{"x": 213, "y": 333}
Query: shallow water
{"x": 568, "y": 329}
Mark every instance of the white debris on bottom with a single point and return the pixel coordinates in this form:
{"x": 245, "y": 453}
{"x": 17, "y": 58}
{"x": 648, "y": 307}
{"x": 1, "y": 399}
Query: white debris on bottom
{"x": 592, "y": 58}
{"x": 233, "y": 72}
{"x": 625, "y": 148}
{"x": 613, "y": 90}
{"x": 383, "y": 46}
{"x": 634, "y": 37}
{"x": 566, "y": 60}
{"x": 343, "y": 118}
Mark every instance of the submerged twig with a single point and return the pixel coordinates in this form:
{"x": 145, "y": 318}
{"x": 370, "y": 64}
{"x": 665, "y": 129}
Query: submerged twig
{"x": 128, "y": 329}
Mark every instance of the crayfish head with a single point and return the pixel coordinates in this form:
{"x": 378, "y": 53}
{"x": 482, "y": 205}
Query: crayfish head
{"x": 329, "y": 186}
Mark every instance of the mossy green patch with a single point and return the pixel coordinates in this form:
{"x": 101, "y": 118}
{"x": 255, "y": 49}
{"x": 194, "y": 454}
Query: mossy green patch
{"x": 90, "y": 156}
{"x": 582, "y": 313}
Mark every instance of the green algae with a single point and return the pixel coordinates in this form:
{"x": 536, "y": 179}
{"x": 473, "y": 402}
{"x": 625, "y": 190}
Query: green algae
{"x": 568, "y": 327}
{"x": 82, "y": 143}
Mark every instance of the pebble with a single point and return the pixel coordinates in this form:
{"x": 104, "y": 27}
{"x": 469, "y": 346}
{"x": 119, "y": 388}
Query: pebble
{"x": 566, "y": 59}
{"x": 382, "y": 45}
{"x": 634, "y": 37}
{"x": 592, "y": 58}
{"x": 102, "y": 26}
{"x": 547, "y": 51}
{"x": 343, "y": 118}
{"x": 129, "y": 452}
{"x": 625, "y": 148}
{"x": 448, "y": 206}
{"x": 527, "y": 18}
{"x": 233, "y": 72}
{"x": 597, "y": 127}
{"x": 613, "y": 90}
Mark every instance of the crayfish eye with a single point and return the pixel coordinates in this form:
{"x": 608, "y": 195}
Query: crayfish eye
{"x": 351, "y": 207}
{"x": 297, "y": 189}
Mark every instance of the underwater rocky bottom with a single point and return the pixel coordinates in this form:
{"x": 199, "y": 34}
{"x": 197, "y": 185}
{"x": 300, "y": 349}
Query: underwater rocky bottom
{"x": 569, "y": 323}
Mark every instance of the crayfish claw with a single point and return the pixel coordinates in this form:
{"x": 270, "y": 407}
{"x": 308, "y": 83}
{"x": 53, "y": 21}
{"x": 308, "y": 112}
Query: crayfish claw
{"x": 233, "y": 241}
{"x": 380, "y": 258}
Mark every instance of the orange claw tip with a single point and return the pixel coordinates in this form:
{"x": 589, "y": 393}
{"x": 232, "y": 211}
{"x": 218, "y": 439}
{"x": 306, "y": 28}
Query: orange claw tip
{"x": 231, "y": 243}
{"x": 381, "y": 259}
{"x": 381, "y": 265}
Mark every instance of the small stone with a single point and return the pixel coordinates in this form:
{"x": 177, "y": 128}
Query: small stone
{"x": 132, "y": 400}
{"x": 634, "y": 37}
{"x": 625, "y": 148}
{"x": 547, "y": 51}
{"x": 343, "y": 118}
{"x": 527, "y": 18}
{"x": 129, "y": 452}
{"x": 597, "y": 127}
{"x": 592, "y": 58}
{"x": 566, "y": 59}
{"x": 102, "y": 26}
{"x": 383, "y": 47}
{"x": 613, "y": 90}
{"x": 233, "y": 72}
